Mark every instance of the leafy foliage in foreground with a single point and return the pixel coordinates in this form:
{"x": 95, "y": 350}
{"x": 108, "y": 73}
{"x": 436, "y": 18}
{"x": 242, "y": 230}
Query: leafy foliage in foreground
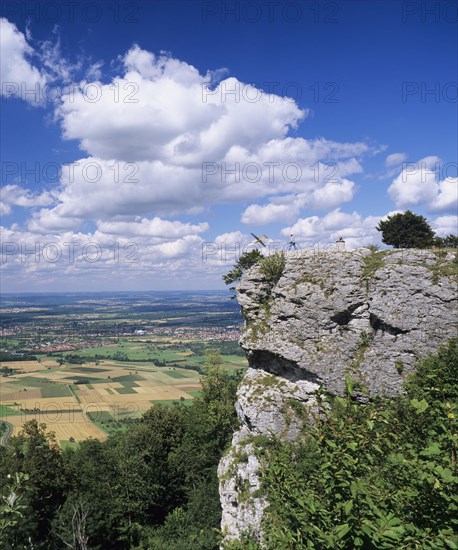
{"x": 374, "y": 476}
{"x": 10, "y": 505}
{"x": 377, "y": 476}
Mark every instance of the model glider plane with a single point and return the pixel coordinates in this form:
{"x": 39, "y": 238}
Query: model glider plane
{"x": 259, "y": 240}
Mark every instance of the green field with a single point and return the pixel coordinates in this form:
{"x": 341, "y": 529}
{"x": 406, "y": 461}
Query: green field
{"x": 131, "y": 354}
{"x": 130, "y": 384}
{"x": 31, "y": 382}
{"x": 194, "y": 393}
{"x": 6, "y": 411}
{"x": 106, "y": 422}
{"x": 174, "y": 374}
{"x": 89, "y": 378}
{"x": 100, "y": 416}
{"x": 125, "y": 390}
{"x": 128, "y": 378}
{"x": 76, "y": 368}
{"x": 56, "y": 390}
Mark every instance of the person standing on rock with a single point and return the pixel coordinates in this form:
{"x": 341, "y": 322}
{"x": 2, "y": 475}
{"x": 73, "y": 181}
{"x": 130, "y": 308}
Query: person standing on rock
{"x": 292, "y": 243}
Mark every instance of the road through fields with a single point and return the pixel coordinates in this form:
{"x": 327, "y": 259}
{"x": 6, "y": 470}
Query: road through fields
{"x": 5, "y": 437}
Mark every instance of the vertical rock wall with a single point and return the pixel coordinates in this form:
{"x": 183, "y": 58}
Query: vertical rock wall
{"x": 372, "y": 315}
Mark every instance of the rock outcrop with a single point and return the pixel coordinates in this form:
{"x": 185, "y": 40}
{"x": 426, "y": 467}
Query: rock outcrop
{"x": 371, "y": 315}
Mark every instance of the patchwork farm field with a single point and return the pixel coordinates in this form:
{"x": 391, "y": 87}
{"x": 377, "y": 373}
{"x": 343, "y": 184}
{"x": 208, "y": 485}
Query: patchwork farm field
{"x": 79, "y": 408}
{"x": 90, "y": 364}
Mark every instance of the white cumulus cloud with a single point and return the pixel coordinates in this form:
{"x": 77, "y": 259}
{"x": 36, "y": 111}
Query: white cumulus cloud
{"x": 260, "y": 215}
{"x": 285, "y": 208}
{"x": 419, "y": 184}
{"x": 158, "y": 228}
{"x": 14, "y": 195}
{"x": 18, "y": 74}
{"x": 445, "y": 225}
{"x": 162, "y": 139}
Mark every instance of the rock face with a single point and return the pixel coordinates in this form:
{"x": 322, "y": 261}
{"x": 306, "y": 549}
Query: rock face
{"x": 372, "y": 315}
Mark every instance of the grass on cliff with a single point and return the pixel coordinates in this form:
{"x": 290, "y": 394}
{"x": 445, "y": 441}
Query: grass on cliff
{"x": 444, "y": 268}
{"x": 380, "y": 475}
{"x": 441, "y": 268}
{"x": 373, "y": 262}
{"x": 272, "y": 267}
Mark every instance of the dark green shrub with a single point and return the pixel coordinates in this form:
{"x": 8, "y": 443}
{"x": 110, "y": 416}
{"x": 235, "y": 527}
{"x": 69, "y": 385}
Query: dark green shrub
{"x": 272, "y": 267}
{"x": 380, "y": 475}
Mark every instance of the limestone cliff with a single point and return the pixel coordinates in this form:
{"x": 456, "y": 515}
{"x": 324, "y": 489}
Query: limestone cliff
{"x": 372, "y": 315}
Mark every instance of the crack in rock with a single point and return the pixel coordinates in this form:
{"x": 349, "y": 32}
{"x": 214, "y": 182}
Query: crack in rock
{"x": 345, "y": 316}
{"x": 278, "y": 365}
{"x": 378, "y": 324}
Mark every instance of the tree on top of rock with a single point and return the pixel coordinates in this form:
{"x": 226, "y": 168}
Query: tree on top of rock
{"x": 407, "y": 230}
{"x": 246, "y": 260}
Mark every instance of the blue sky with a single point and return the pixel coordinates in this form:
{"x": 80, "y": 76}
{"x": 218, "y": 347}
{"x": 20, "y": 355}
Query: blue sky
{"x": 139, "y": 138}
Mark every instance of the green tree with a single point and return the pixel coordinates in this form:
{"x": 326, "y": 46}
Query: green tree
{"x": 208, "y": 427}
{"x": 192, "y": 456}
{"x": 212, "y": 358}
{"x": 218, "y": 395}
{"x": 36, "y": 453}
{"x": 450, "y": 241}
{"x": 73, "y": 533}
{"x": 11, "y": 509}
{"x": 246, "y": 260}
{"x": 209, "y": 423}
{"x": 407, "y": 230}
{"x": 93, "y": 476}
